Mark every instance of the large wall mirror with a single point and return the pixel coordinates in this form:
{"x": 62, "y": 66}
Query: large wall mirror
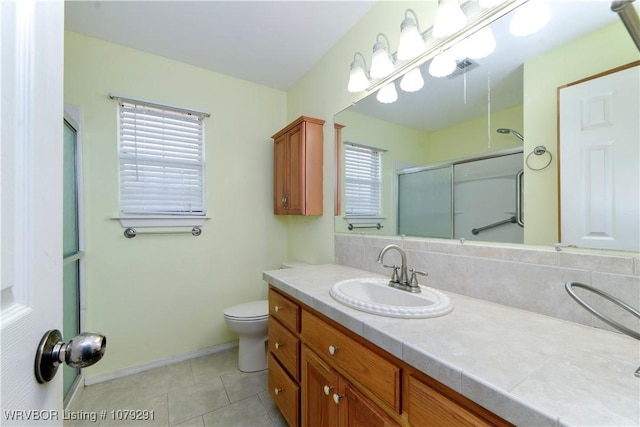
{"x": 477, "y": 152}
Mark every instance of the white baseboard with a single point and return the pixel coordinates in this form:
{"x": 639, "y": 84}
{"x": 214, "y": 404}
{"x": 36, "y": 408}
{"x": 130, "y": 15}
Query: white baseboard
{"x": 159, "y": 363}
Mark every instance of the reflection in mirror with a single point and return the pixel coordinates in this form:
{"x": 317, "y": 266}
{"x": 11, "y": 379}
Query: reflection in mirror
{"x": 506, "y": 101}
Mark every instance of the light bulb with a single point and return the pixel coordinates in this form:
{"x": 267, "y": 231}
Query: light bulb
{"x": 530, "y": 17}
{"x": 486, "y": 4}
{"x": 358, "y": 80}
{"x": 449, "y": 19}
{"x": 381, "y": 65}
{"x": 411, "y": 41}
{"x": 387, "y": 94}
{"x": 442, "y": 65}
{"x": 480, "y": 44}
{"x": 412, "y": 81}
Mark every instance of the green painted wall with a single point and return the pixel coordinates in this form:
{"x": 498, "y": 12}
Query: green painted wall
{"x": 473, "y": 138}
{"x": 159, "y": 296}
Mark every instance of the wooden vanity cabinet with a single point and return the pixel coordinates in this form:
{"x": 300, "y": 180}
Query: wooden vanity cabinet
{"x": 298, "y": 168}
{"x": 321, "y": 374}
{"x": 284, "y": 356}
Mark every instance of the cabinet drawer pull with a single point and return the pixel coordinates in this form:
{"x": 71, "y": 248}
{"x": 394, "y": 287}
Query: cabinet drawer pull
{"x": 337, "y": 397}
{"x": 277, "y": 308}
{"x": 333, "y": 350}
{"x": 278, "y": 345}
{"x": 327, "y": 389}
{"x": 278, "y": 390}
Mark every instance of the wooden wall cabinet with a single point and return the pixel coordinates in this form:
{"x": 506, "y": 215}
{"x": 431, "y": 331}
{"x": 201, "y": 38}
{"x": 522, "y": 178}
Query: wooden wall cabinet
{"x": 298, "y": 168}
{"x": 321, "y": 374}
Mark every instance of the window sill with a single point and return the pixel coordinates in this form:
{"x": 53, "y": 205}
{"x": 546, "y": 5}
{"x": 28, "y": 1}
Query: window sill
{"x": 363, "y": 219}
{"x": 141, "y": 221}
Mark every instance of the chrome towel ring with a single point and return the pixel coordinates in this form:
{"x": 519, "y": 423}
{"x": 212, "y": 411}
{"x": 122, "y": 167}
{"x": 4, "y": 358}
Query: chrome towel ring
{"x": 539, "y": 151}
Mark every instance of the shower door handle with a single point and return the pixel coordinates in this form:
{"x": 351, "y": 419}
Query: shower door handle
{"x": 519, "y": 178}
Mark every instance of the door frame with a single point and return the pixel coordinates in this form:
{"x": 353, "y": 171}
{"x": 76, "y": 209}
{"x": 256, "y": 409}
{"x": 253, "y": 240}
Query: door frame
{"x": 73, "y": 116}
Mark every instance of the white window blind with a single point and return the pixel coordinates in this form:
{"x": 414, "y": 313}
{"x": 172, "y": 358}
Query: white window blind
{"x": 363, "y": 183}
{"x": 161, "y": 160}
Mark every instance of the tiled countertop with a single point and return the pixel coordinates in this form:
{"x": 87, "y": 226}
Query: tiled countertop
{"x": 530, "y": 369}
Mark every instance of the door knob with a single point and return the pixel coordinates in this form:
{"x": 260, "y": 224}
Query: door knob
{"x": 82, "y": 350}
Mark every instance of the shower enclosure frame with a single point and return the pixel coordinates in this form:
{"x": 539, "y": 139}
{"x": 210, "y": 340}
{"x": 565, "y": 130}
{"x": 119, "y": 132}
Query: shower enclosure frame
{"x": 450, "y": 163}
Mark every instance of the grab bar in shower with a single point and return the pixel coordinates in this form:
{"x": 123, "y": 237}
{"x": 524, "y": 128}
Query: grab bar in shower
{"x": 130, "y": 233}
{"x": 495, "y": 224}
{"x": 519, "y": 177}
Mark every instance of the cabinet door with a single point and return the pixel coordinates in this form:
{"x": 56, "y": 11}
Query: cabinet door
{"x": 319, "y": 384}
{"x": 296, "y": 163}
{"x": 280, "y": 174}
{"x": 357, "y": 410}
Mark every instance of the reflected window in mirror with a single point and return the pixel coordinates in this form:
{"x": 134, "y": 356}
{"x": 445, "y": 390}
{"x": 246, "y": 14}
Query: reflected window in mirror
{"x": 363, "y": 181}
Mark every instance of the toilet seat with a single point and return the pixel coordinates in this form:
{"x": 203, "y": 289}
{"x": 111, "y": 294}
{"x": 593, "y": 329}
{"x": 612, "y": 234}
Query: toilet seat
{"x": 248, "y": 312}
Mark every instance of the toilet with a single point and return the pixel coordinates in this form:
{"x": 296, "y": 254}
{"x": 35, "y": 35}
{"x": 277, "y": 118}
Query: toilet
{"x": 250, "y": 321}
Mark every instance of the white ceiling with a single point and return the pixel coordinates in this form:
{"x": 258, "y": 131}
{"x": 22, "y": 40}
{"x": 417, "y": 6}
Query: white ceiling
{"x": 272, "y": 43}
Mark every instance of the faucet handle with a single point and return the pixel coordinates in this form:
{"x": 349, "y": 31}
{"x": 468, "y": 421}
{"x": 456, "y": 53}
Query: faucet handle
{"x": 394, "y": 275}
{"x": 414, "y": 280}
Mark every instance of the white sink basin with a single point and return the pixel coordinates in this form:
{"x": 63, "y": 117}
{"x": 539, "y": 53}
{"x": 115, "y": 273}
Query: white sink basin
{"x": 374, "y": 295}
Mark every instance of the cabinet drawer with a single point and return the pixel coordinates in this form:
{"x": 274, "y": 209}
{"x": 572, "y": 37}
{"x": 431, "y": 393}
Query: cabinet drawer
{"x": 285, "y": 310}
{"x": 285, "y": 347}
{"x": 362, "y": 364}
{"x": 284, "y": 392}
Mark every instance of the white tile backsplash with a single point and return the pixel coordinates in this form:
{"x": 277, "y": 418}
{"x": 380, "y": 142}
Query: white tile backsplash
{"x": 528, "y": 278}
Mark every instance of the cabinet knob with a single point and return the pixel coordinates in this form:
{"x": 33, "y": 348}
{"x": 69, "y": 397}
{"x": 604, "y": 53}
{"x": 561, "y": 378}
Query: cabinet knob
{"x": 333, "y": 349}
{"x": 277, "y": 308}
{"x": 337, "y": 397}
{"x": 327, "y": 389}
{"x": 278, "y": 345}
{"x": 277, "y": 391}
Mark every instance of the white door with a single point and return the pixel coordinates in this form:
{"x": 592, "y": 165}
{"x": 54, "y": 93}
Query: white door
{"x": 600, "y": 162}
{"x": 31, "y": 82}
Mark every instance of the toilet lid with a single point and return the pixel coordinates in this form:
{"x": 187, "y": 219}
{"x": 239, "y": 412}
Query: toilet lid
{"x": 248, "y": 311}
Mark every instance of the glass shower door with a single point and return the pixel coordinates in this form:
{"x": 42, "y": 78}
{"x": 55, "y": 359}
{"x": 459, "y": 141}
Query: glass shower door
{"x": 71, "y": 250}
{"x": 425, "y": 203}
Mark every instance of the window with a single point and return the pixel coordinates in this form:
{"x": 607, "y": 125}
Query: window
{"x": 363, "y": 183}
{"x": 161, "y": 151}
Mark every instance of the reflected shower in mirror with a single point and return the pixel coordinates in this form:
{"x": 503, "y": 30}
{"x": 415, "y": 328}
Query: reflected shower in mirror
{"x": 504, "y": 103}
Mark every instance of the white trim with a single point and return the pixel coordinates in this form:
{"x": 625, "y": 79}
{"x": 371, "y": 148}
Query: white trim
{"x": 368, "y": 147}
{"x": 159, "y": 105}
{"x": 161, "y": 220}
{"x": 160, "y": 363}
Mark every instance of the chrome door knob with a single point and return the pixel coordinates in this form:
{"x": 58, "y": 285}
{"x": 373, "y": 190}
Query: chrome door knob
{"x": 82, "y": 350}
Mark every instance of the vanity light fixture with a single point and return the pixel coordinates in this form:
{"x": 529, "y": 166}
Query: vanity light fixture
{"x": 358, "y": 80}
{"x": 529, "y": 18}
{"x": 449, "y": 19}
{"x": 487, "y": 4}
{"x": 388, "y": 94}
{"x": 381, "y": 63}
{"x": 411, "y": 41}
{"x": 412, "y": 81}
{"x": 442, "y": 64}
{"x": 480, "y": 44}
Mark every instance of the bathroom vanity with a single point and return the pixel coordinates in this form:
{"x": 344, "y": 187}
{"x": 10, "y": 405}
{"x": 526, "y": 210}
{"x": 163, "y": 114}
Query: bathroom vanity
{"x": 482, "y": 364}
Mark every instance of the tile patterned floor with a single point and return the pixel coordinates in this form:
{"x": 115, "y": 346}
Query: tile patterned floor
{"x": 208, "y": 391}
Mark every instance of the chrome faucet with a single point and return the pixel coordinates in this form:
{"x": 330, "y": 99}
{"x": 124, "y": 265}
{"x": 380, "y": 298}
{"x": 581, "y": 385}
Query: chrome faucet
{"x": 404, "y": 278}
{"x": 401, "y": 282}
